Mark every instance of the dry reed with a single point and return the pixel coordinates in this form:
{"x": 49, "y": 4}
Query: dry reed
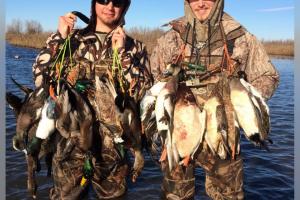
{"x": 147, "y": 36}
{"x": 37, "y": 40}
{"x": 279, "y": 47}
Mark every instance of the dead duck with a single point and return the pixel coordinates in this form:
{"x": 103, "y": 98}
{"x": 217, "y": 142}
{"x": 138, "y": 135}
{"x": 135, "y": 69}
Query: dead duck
{"x": 148, "y": 120}
{"x": 152, "y": 103}
{"x": 189, "y": 126}
{"x": 74, "y": 117}
{"x": 165, "y": 91}
{"x": 216, "y": 127}
{"x": 28, "y": 112}
{"x": 147, "y": 104}
{"x": 128, "y": 117}
{"x": 46, "y": 124}
{"x": 164, "y": 111}
{"x": 159, "y": 103}
{"x": 251, "y": 110}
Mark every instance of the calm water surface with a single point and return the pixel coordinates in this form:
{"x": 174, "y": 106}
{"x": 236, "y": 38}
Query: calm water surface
{"x": 268, "y": 175}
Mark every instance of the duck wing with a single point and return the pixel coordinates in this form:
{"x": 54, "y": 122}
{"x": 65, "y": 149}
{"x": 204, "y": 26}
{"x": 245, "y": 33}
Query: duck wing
{"x": 261, "y": 107}
{"x": 251, "y": 110}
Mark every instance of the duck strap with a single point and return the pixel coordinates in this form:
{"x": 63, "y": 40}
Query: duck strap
{"x": 117, "y": 70}
{"x": 181, "y": 55}
{"x": 60, "y": 64}
{"x": 226, "y": 57}
{"x": 60, "y": 61}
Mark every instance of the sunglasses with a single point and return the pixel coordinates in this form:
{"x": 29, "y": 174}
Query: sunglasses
{"x": 116, "y": 3}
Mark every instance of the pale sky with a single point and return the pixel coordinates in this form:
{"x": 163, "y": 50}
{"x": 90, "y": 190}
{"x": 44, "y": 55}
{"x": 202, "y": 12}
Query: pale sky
{"x": 267, "y": 19}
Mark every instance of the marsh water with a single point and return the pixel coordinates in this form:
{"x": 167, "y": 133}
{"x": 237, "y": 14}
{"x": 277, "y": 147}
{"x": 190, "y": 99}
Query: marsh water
{"x": 267, "y": 175}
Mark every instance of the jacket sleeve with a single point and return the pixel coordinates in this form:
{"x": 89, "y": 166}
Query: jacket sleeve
{"x": 42, "y": 65}
{"x": 165, "y": 52}
{"x": 259, "y": 69}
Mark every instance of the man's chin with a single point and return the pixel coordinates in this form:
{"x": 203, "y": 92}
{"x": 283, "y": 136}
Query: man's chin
{"x": 110, "y": 22}
{"x": 201, "y": 18}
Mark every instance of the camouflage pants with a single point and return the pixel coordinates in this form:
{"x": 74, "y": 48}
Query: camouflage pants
{"x": 108, "y": 180}
{"x": 224, "y": 180}
{"x": 178, "y": 184}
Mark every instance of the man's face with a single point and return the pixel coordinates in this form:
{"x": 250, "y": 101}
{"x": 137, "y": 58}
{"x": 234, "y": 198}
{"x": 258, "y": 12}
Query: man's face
{"x": 201, "y": 8}
{"x": 108, "y": 14}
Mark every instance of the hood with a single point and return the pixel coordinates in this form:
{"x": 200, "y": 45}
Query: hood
{"x": 211, "y": 23}
{"x": 93, "y": 18}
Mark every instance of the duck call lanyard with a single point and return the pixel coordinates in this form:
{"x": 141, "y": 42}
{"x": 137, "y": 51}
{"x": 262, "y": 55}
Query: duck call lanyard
{"x": 226, "y": 59}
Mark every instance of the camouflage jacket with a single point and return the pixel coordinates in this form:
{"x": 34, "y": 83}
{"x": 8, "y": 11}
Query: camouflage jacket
{"x": 92, "y": 57}
{"x": 246, "y": 52}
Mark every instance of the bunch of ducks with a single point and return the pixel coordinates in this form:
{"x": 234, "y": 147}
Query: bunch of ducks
{"x": 183, "y": 122}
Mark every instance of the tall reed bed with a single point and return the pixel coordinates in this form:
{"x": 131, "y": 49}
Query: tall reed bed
{"x": 36, "y": 40}
{"x": 279, "y": 47}
{"x": 148, "y": 36}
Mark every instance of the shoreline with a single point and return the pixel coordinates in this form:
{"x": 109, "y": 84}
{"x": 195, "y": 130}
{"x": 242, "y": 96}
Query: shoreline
{"x": 276, "y": 48}
{"x": 281, "y": 56}
{"x": 272, "y": 56}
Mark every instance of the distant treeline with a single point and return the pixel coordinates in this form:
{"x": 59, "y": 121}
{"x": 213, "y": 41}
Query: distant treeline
{"x": 31, "y": 34}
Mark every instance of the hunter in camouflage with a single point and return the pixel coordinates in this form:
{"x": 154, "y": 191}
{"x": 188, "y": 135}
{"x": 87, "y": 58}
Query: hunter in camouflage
{"x": 219, "y": 43}
{"x": 92, "y": 60}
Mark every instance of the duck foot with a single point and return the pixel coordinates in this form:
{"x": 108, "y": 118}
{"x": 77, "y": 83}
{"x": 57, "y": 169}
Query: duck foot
{"x": 163, "y": 156}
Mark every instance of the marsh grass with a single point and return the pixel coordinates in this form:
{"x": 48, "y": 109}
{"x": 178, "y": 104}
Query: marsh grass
{"x": 148, "y": 36}
{"x": 279, "y": 47}
{"x": 36, "y": 40}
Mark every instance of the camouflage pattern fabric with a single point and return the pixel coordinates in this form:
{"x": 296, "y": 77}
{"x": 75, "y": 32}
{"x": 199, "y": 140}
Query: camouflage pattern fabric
{"x": 178, "y": 184}
{"x": 108, "y": 181}
{"x": 224, "y": 178}
{"x": 247, "y": 54}
{"x": 93, "y": 58}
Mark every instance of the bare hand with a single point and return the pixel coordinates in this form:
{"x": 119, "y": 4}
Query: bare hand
{"x": 66, "y": 24}
{"x": 118, "y": 38}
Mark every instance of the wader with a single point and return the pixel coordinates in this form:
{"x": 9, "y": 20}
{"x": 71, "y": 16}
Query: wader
{"x": 108, "y": 180}
{"x": 224, "y": 180}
